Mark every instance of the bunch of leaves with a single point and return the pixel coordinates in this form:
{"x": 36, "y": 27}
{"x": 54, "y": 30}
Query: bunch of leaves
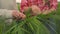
{"x": 31, "y": 25}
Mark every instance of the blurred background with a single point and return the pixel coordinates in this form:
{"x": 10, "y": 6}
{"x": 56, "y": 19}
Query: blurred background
{"x": 19, "y": 1}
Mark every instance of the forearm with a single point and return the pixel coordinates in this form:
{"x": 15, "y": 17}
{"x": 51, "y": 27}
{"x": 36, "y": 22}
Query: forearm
{"x": 4, "y": 13}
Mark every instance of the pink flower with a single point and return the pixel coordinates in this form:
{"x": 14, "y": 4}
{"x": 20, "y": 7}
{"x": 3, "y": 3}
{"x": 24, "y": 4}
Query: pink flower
{"x": 40, "y": 3}
{"x": 53, "y": 4}
{"x": 27, "y": 3}
{"x": 23, "y": 4}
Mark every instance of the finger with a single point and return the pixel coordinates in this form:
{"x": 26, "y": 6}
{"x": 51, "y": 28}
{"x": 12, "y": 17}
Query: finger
{"x": 46, "y": 12}
{"x": 22, "y": 15}
{"x": 15, "y": 14}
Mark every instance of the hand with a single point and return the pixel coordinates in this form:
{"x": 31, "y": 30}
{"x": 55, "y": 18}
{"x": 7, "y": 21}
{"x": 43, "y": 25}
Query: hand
{"x": 17, "y": 15}
{"x": 26, "y": 8}
{"x": 48, "y": 11}
{"x": 52, "y": 9}
{"x": 35, "y": 10}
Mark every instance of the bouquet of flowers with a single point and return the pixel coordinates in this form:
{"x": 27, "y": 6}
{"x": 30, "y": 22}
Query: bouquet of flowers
{"x": 39, "y": 20}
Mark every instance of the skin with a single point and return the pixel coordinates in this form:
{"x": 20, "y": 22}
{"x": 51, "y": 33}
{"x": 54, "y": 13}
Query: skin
{"x": 36, "y": 10}
{"x": 18, "y": 15}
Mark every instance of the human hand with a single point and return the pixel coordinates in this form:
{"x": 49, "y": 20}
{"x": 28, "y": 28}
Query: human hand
{"x": 35, "y": 10}
{"x": 48, "y": 11}
{"x": 17, "y": 15}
